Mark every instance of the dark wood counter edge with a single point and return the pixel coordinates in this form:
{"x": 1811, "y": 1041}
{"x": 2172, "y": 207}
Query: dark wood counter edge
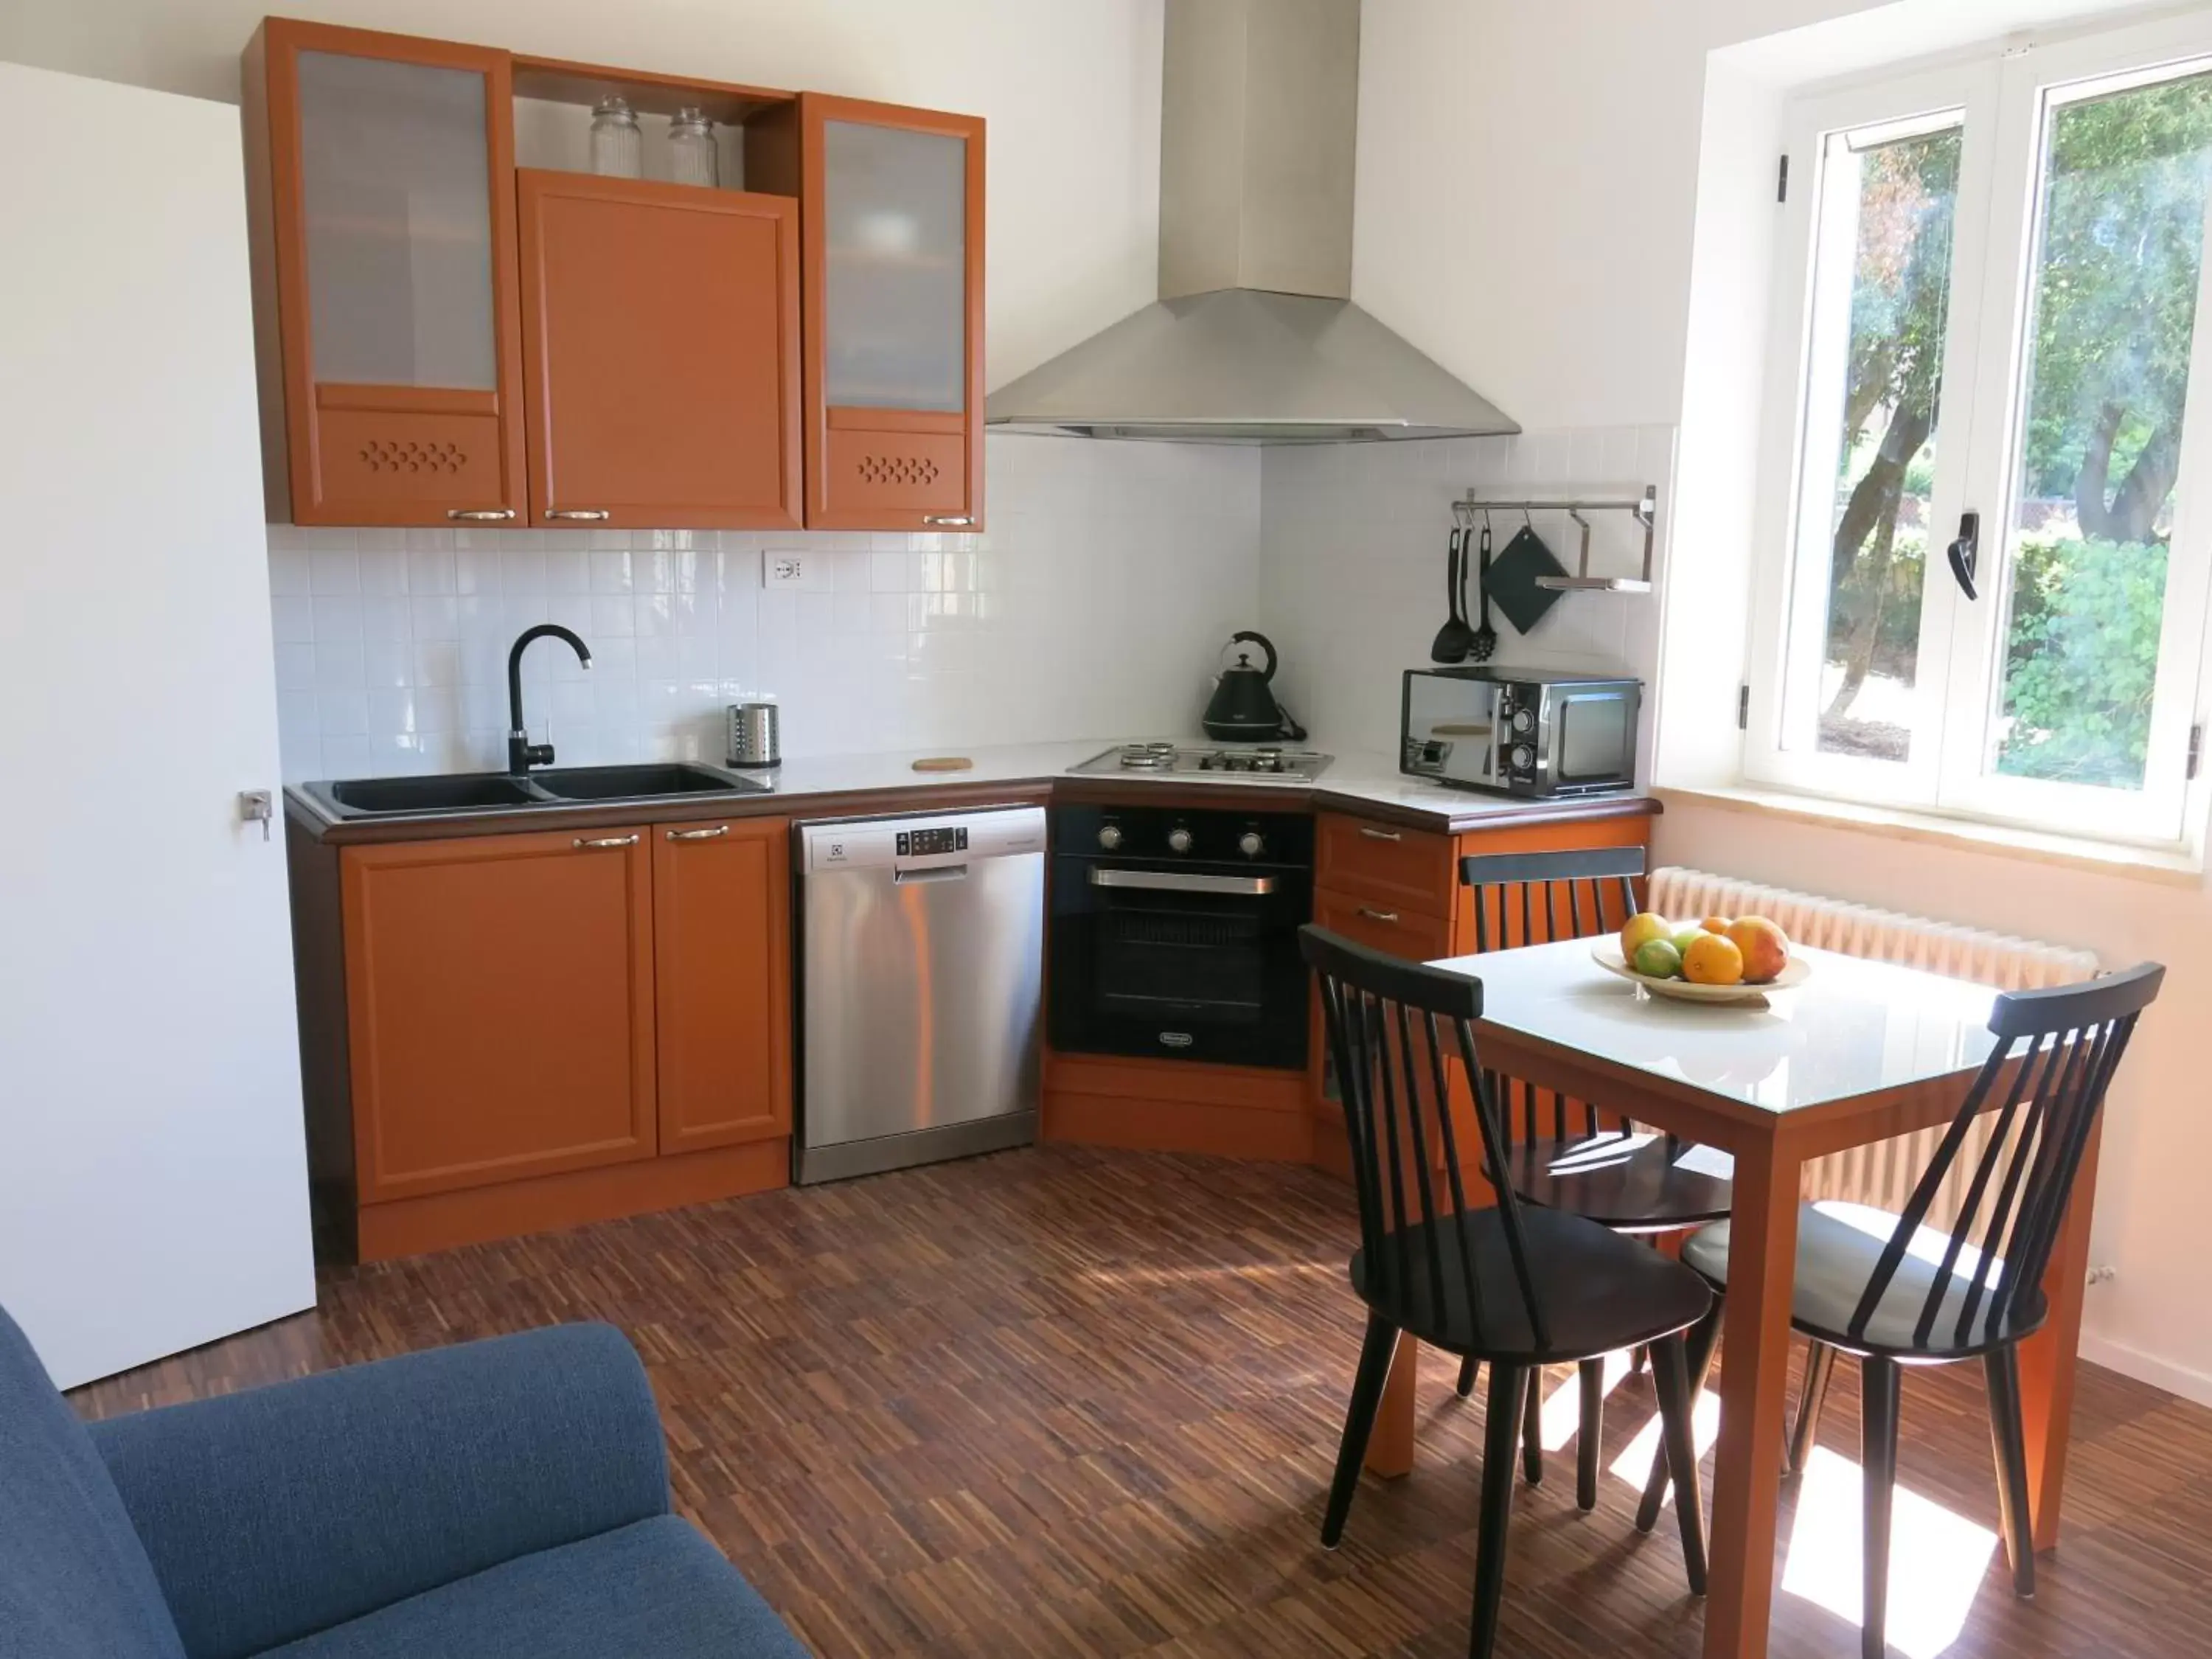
{"x": 1481, "y": 816}
{"x": 834, "y": 804}
{"x": 316, "y": 828}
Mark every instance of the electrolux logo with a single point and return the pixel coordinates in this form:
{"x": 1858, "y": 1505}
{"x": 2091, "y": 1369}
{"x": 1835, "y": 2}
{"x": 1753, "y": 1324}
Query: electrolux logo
{"x": 1176, "y": 1039}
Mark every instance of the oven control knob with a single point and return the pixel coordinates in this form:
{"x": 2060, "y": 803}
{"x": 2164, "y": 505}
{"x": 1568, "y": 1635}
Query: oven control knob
{"x": 1250, "y": 844}
{"x": 1178, "y": 840}
{"x": 1524, "y": 758}
{"x": 1109, "y": 837}
{"x": 1524, "y": 720}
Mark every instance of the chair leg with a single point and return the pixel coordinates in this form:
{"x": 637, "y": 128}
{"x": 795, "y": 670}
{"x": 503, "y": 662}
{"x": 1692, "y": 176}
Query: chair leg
{"x": 1879, "y": 1390}
{"x": 1376, "y": 1352}
{"x": 1590, "y": 1440}
{"x": 1670, "y": 1377}
{"x": 1532, "y": 1426}
{"x": 2002, "y": 1367}
{"x": 1510, "y": 1386}
{"x": 1468, "y": 1368}
{"x": 1699, "y": 1343}
{"x": 1819, "y": 1366}
{"x": 1639, "y": 1358}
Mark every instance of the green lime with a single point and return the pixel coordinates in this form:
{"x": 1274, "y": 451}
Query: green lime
{"x": 1658, "y": 959}
{"x": 1682, "y": 937}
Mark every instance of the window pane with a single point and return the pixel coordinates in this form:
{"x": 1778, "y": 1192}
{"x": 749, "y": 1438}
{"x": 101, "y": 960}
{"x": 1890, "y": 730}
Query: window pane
{"x": 1880, "y": 307}
{"x": 2120, "y": 243}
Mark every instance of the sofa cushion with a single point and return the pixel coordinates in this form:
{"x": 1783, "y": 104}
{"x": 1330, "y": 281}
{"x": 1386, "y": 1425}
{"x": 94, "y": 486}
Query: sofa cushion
{"x": 275, "y": 1512}
{"x": 655, "y": 1588}
{"x": 75, "y": 1582}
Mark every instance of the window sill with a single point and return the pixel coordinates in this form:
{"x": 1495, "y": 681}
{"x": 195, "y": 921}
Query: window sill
{"x": 2173, "y": 866}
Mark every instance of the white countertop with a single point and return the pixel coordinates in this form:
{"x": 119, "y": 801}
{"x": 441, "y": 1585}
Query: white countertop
{"x": 1355, "y": 776}
{"x": 1855, "y": 1027}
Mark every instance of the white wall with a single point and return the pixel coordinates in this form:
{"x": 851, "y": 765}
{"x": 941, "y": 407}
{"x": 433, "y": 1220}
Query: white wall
{"x": 1093, "y": 606}
{"x": 1352, "y": 580}
{"x": 1528, "y": 181}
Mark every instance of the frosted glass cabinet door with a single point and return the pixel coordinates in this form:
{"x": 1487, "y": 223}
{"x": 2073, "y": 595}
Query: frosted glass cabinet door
{"x": 391, "y": 184}
{"x": 895, "y": 268}
{"x": 894, "y": 222}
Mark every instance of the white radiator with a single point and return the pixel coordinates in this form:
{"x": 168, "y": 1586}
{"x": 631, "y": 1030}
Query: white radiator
{"x": 1885, "y": 1173}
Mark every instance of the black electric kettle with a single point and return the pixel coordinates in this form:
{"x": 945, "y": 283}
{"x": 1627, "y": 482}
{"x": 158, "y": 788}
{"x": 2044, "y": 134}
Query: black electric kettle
{"x": 1243, "y": 709}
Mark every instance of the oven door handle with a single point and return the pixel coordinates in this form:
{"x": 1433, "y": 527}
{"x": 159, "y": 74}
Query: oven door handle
{"x": 1183, "y": 881}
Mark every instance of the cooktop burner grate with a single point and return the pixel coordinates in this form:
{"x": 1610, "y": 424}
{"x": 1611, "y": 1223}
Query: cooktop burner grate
{"x": 1158, "y": 759}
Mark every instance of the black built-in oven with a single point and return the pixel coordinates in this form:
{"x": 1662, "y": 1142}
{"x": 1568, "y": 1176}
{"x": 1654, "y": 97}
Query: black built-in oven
{"x": 1175, "y": 934}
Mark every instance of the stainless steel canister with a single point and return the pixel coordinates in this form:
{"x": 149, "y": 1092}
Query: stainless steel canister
{"x": 755, "y": 739}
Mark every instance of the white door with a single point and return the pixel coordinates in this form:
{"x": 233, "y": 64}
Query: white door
{"x": 153, "y": 1177}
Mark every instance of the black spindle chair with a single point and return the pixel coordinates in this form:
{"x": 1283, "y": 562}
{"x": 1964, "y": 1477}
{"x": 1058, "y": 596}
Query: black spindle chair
{"x": 1894, "y": 1290}
{"x": 1563, "y": 1156}
{"x": 1519, "y": 1286}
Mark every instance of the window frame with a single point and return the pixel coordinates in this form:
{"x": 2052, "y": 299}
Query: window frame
{"x": 2006, "y": 92}
{"x": 1779, "y": 601}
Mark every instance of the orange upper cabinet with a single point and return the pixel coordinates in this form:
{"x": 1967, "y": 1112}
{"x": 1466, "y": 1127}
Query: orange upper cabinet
{"x": 383, "y": 204}
{"x": 893, "y": 210}
{"x": 661, "y": 352}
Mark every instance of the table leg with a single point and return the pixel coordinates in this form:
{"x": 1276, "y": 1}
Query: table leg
{"x": 1390, "y": 1447}
{"x": 1755, "y": 1369}
{"x": 2047, "y": 1358}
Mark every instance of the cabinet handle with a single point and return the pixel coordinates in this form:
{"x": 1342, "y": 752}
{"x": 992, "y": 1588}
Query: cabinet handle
{"x": 481, "y": 514}
{"x": 593, "y": 514}
{"x": 950, "y": 520}
{"x": 715, "y": 834}
{"x": 1381, "y": 835}
{"x": 629, "y": 840}
{"x": 1389, "y": 916}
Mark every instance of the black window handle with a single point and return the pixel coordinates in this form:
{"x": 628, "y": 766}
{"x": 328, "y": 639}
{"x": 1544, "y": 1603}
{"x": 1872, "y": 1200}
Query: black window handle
{"x": 1965, "y": 552}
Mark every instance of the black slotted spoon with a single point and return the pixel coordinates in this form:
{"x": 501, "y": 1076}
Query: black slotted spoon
{"x": 1484, "y": 641}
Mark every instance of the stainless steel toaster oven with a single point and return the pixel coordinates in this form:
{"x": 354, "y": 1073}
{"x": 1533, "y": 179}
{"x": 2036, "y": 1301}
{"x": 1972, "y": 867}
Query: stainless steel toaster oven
{"x": 1519, "y": 731}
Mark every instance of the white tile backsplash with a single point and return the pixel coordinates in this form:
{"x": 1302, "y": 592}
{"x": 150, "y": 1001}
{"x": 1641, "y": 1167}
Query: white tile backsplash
{"x": 1094, "y": 603}
{"x": 1353, "y": 549}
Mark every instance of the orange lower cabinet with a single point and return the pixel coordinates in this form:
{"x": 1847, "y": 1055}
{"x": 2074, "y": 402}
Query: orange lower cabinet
{"x": 721, "y": 932}
{"x": 499, "y": 1007}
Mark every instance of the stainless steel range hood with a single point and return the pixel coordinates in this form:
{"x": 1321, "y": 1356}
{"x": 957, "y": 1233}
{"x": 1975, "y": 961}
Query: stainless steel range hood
{"x": 1254, "y": 338}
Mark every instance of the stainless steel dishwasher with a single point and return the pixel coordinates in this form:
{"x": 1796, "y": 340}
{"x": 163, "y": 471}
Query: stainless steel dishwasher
{"x": 921, "y": 953}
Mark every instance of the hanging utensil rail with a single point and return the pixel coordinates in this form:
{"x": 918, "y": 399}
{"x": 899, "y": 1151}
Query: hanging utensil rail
{"x": 1475, "y": 505}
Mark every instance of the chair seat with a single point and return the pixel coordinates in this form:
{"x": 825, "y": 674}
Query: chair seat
{"x": 1600, "y": 1291}
{"x": 1838, "y": 1245}
{"x": 1629, "y": 1183}
{"x": 655, "y": 1587}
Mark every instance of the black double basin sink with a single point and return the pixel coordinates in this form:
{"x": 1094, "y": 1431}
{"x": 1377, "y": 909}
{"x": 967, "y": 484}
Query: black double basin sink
{"x": 551, "y": 786}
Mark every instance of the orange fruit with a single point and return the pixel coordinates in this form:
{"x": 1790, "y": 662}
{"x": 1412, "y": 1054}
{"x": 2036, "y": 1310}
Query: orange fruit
{"x": 1715, "y": 924}
{"x": 1766, "y": 947}
{"x": 1713, "y": 960}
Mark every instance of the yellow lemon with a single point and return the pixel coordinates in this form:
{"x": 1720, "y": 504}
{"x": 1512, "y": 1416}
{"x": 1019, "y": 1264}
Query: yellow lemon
{"x": 1641, "y": 929}
{"x": 1713, "y": 960}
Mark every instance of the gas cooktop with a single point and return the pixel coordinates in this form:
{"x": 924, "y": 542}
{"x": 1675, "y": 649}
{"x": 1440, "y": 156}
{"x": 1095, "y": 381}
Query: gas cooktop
{"x": 1259, "y": 761}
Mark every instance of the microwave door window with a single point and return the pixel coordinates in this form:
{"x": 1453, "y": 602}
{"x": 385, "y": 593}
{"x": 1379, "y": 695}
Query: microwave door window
{"x": 1593, "y": 738}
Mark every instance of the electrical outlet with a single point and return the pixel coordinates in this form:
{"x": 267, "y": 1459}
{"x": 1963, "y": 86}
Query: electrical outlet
{"x": 802, "y": 570}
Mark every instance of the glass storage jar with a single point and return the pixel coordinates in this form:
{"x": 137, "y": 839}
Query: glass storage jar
{"x": 618, "y": 145}
{"x": 692, "y": 158}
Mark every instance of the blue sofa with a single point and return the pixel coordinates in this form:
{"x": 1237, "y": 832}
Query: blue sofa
{"x": 505, "y": 1499}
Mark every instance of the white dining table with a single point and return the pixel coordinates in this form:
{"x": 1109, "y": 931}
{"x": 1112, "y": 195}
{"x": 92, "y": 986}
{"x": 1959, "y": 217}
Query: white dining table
{"x": 1859, "y": 1051}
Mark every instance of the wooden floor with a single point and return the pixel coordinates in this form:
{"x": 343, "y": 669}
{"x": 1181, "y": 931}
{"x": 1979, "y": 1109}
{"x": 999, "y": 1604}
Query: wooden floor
{"x": 1065, "y": 1402}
